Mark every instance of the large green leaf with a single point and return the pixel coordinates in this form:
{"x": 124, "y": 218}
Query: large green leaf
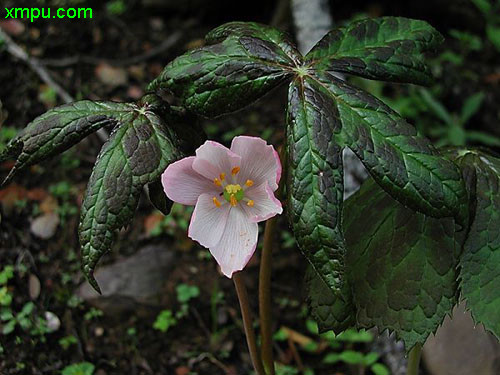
{"x": 386, "y": 48}
{"x": 401, "y": 265}
{"x": 480, "y": 261}
{"x": 137, "y": 152}
{"x": 60, "y": 128}
{"x": 240, "y": 63}
{"x": 332, "y": 311}
{"x": 315, "y": 179}
{"x": 406, "y": 165}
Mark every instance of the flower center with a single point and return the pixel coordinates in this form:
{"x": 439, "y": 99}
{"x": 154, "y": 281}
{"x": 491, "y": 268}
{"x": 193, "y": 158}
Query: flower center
{"x": 233, "y": 194}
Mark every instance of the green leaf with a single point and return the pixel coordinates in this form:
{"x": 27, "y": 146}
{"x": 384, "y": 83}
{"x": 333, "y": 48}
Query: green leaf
{"x": 471, "y": 106}
{"x": 82, "y": 368}
{"x": 9, "y": 327}
{"x": 483, "y": 5}
{"x": 351, "y": 357}
{"x": 493, "y": 33}
{"x": 329, "y": 309}
{"x": 240, "y": 63}
{"x": 480, "y": 260}
{"x": 402, "y": 265}
{"x": 164, "y": 321}
{"x": 406, "y": 165}
{"x": 137, "y": 152}
{"x": 60, "y": 128}
{"x": 158, "y": 198}
{"x": 380, "y": 369}
{"x": 483, "y": 137}
{"x": 186, "y": 292}
{"x": 315, "y": 179}
{"x": 386, "y": 48}
{"x": 370, "y": 358}
{"x": 437, "y": 107}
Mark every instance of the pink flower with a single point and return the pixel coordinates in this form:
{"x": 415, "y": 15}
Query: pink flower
{"x": 232, "y": 190}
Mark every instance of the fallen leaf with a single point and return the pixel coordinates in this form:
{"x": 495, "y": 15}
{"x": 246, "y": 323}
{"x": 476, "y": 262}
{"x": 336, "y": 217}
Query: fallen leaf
{"x": 182, "y": 370}
{"x": 135, "y": 92}
{"x": 49, "y": 205}
{"x": 10, "y": 195}
{"x": 34, "y": 286}
{"x": 110, "y": 75}
{"x": 37, "y": 194}
{"x": 196, "y": 43}
{"x": 151, "y": 221}
{"x": 12, "y": 27}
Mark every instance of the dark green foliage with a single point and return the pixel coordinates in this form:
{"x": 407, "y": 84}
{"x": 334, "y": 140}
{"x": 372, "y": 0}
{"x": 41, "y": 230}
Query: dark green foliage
{"x": 332, "y": 311}
{"x": 480, "y": 261}
{"x": 240, "y": 63}
{"x": 158, "y": 197}
{"x": 386, "y": 48}
{"x": 404, "y": 164}
{"x": 402, "y": 265}
{"x": 315, "y": 179}
{"x": 60, "y": 128}
{"x": 401, "y": 270}
{"x": 136, "y": 154}
{"x": 405, "y": 270}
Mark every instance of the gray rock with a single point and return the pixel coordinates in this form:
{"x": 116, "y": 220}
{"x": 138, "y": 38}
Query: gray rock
{"x": 461, "y": 348}
{"x": 130, "y": 282}
{"x": 45, "y": 226}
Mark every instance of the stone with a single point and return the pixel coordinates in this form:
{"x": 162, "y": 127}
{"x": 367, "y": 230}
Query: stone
{"x": 462, "y": 348}
{"x": 45, "y": 226}
{"x": 131, "y": 282}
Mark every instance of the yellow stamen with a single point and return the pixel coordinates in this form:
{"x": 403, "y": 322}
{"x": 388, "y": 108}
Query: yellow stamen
{"x": 216, "y": 202}
{"x": 233, "y": 200}
{"x": 249, "y": 183}
{"x": 222, "y": 176}
{"x": 233, "y": 189}
{"x": 217, "y": 182}
{"x": 250, "y": 203}
{"x": 235, "y": 170}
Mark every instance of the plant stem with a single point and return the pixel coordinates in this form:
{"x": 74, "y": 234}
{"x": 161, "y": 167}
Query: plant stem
{"x": 265, "y": 284}
{"x": 265, "y": 297}
{"x": 241, "y": 291}
{"x": 414, "y": 360}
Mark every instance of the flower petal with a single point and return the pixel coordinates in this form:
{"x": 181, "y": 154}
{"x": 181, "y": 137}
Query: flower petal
{"x": 237, "y": 244}
{"x": 259, "y": 161}
{"x": 184, "y": 185}
{"x": 208, "y": 221}
{"x": 266, "y": 205}
{"x": 212, "y": 159}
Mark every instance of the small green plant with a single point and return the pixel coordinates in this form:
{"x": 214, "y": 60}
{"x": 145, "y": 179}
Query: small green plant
{"x": 22, "y": 319}
{"x": 5, "y": 275}
{"x": 7, "y": 133}
{"x": 82, "y": 368}
{"x": 116, "y": 7}
{"x": 491, "y": 12}
{"x": 453, "y": 132}
{"x": 167, "y": 318}
{"x": 93, "y": 313}
{"x": 164, "y": 321}
{"x": 67, "y": 341}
